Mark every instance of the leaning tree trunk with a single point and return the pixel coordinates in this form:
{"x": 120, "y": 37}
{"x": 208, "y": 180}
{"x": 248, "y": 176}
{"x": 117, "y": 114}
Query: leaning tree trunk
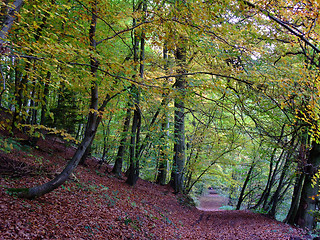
{"x": 92, "y": 125}
{"x": 242, "y": 195}
{"x": 94, "y": 63}
{"x": 40, "y": 190}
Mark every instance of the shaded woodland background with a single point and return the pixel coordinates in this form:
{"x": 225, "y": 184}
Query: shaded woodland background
{"x": 221, "y": 94}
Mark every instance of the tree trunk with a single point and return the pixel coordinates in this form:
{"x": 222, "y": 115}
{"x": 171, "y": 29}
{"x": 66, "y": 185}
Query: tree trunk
{"x": 246, "y": 181}
{"x": 276, "y": 196}
{"x": 272, "y": 182}
{"x": 162, "y": 169}
{"x": 4, "y": 78}
{"x": 94, "y": 63}
{"x": 295, "y": 199}
{"x": 304, "y": 218}
{"x": 177, "y": 174}
{"x": 117, "y": 168}
{"x": 45, "y": 99}
{"x": 63, "y": 176}
{"x": 163, "y": 162}
{"x": 265, "y": 191}
{"x": 8, "y": 21}
{"x": 105, "y": 148}
{"x": 18, "y": 98}
{"x": 133, "y": 171}
{"x": 93, "y": 122}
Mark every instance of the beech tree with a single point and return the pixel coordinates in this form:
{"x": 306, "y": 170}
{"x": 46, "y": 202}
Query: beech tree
{"x": 200, "y": 86}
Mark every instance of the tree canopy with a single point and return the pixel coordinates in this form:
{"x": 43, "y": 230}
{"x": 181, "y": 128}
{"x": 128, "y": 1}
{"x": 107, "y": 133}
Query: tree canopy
{"x": 191, "y": 93}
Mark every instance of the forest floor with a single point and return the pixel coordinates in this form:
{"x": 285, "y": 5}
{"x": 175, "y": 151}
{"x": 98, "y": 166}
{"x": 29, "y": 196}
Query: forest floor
{"x": 93, "y": 204}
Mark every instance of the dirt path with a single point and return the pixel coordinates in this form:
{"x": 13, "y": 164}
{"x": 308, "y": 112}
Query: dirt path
{"x": 212, "y": 201}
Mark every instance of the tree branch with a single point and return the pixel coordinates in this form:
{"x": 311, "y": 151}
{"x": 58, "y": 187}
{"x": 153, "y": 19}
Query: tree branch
{"x": 9, "y": 19}
{"x": 284, "y": 25}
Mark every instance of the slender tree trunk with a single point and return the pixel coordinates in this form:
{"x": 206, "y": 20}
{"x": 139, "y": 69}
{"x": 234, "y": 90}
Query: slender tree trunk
{"x": 246, "y": 181}
{"x": 163, "y": 161}
{"x": 162, "y": 169}
{"x": 117, "y": 168}
{"x": 133, "y": 171}
{"x": 264, "y": 193}
{"x": 4, "y": 84}
{"x": 163, "y": 158}
{"x": 18, "y": 98}
{"x": 105, "y": 148}
{"x": 32, "y": 106}
{"x": 272, "y": 182}
{"x": 276, "y": 196}
{"x": 45, "y": 99}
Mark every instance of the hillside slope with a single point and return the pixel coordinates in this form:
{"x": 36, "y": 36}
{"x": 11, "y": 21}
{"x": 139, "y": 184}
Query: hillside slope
{"x": 95, "y": 205}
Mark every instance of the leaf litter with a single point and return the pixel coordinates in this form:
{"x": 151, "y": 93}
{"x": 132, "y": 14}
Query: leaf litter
{"x": 93, "y": 204}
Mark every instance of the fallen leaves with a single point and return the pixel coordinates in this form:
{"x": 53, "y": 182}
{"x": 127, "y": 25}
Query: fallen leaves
{"x": 99, "y": 206}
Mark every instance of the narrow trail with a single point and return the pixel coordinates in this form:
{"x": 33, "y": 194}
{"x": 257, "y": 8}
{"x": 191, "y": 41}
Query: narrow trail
{"x": 212, "y": 201}
{"x": 216, "y": 223}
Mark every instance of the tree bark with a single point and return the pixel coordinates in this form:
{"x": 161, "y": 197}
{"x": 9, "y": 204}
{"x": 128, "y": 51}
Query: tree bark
{"x": 163, "y": 162}
{"x": 295, "y": 199}
{"x": 177, "y": 174}
{"x": 133, "y": 171}
{"x": 94, "y": 63}
{"x": 246, "y": 181}
{"x": 40, "y": 190}
{"x": 8, "y": 21}
{"x": 117, "y": 168}
{"x": 304, "y": 217}
{"x": 276, "y": 196}
{"x": 92, "y": 125}
{"x": 45, "y": 99}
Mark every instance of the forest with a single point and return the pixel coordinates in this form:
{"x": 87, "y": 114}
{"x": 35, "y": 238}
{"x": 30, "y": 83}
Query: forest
{"x": 190, "y": 95}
